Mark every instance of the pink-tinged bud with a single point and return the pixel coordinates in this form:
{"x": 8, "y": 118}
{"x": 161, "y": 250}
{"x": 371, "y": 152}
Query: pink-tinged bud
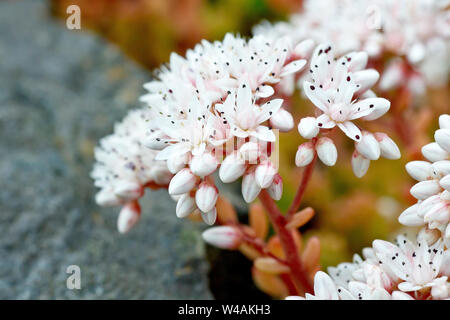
{"x": 433, "y": 152}
{"x": 276, "y": 188}
{"x": 444, "y": 121}
{"x": 425, "y": 189}
{"x": 282, "y": 120}
{"x": 250, "y": 152}
{"x": 419, "y": 170}
{"x": 305, "y": 48}
{"x": 128, "y": 190}
{"x": 203, "y": 165}
{"x": 128, "y": 216}
{"x": 438, "y": 213}
{"x": 107, "y": 198}
{"x": 224, "y": 237}
{"x": 265, "y": 173}
{"x": 445, "y": 182}
{"x": 305, "y": 154}
{"x": 360, "y": 164}
{"x": 185, "y": 206}
{"x": 326, "y": 150}
{"x": 442, "y": 137}
{"x": 209, "y": 217}
{"x": 368, "y": 146}
{"x": 176, "y": 163}
{"x": 232, "y": 168}
{"x": 182, "y": 182}
{"x": 250, "y": 188}
{"x": 410, "y": 217}
{"x": 206, "y": 196}
{"x": 307, "y": 127}
{"x": 388, "y": 147}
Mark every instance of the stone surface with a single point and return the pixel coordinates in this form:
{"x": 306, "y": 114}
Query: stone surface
{"x": 60, "y": 91}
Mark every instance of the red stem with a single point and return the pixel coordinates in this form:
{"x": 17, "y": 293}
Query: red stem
{"x": 298, "y": 273}
{"x": 302, "y": 188}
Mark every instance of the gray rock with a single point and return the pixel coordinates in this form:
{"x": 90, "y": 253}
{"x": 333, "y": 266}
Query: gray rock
{"x": 60, "y": 91}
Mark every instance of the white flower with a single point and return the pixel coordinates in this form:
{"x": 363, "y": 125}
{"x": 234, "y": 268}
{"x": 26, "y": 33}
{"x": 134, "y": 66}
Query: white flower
{"x": 433, "y": 187}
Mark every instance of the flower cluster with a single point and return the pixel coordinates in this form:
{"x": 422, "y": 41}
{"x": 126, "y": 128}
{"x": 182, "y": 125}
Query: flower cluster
{"x": 125, "y": 167}
{"x": 433, "y": 188}
{"x": 415, "y": 29}
{"x": 214, "y": 109}
{"x": 416, "y": 269}
{"x": 340, "y": 89}
{"x": 406, "y": 270}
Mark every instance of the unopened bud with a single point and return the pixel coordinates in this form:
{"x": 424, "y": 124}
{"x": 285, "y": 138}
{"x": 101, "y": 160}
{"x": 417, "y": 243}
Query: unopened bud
{"x": 128, "y": 216}
{"x": 224, "y": 237}
{"x": 307, "y": 127}
{"x": 185, "y": 206}
{"x": 203, "y": 165}
{"x": 250, "y": 188}
{"x": 360, "y": 164}
{"x": 182, "y": 182}
{"x": 232, "y": 167}
{"x": 206, "y": 196}
{"x": 282, "y": 120}
{"x": 388, "y": 147}
{"x": 276, "y": 188}
{"x": 326, "y": 150}
{"x": 305, "y": 154}
{"x": 264, "y": 174}
{"x": 368, "y": 146}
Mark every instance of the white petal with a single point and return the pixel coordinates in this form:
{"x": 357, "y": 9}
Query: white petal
{"x": 316, "y": 95}
{"x": 410, "y": 217}
{"x": 364, "y": 108}
{"x": 351, "y": 130}
{"x": 324, "y": 287}
{"x": 366, "y": 79}
{"x": 264, "y": 91}
{"x": 265, "y": 134}
{"x": 325, "y": 122}
{"x": 282, "y": 120}
{"x": 292, "y": 67}
{"x": 444, "y": 121}
{"x": 304, "y": 48}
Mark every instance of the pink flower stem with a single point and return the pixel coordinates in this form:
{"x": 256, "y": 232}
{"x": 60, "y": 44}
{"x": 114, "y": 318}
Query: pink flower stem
{"x": 302, "y": 188}
{"x": 299, "y": 275}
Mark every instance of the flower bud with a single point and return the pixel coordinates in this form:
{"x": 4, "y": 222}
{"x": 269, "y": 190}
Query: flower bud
{"x": 232, "y": 167}
{"x": 433, "y": 152}
{"x": 419, "y": 170}
{"x": 388, "y": 147}
{"x": 206, "y": 196}
{"x": 368, "y": 146}
{"x": 410, "y": 217}
{"x": 442, "y": 137}
{"x": 128, "y": 216}
{"x": 182, "y": 182}
{"x": 250, "y": 188}
{"x": 185, "y": 206}
{"x": 430, "y": 236}
{"x": 176, "y": 163}
{"x": 209, "y": 217}
{"x": 307, "y": 127}
{"x": 282, "y": 120}
{"x": 276, "y": 188}
{"x": 425, "y": 189}
{"x": 305, "y": 154}
{"x": 128, "y": 190}
{"x": 264, "y": 174}
{"x": 441, "y": 168}
{"x": 203, "y": 165}
{"x": 250, "y": 152}
{"x": 326, "y": 150}
{"x": 360, "y": 164}
{"x": 224, "y": 237}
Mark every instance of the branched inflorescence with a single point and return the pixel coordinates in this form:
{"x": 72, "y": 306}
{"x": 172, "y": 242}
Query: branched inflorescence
{"x": 217, "y": 113}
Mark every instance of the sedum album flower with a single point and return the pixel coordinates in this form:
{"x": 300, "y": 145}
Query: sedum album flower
{"x": 339, "y": 88}
{"x": 433, "y": 188}
{"x": 124, "y": 167}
